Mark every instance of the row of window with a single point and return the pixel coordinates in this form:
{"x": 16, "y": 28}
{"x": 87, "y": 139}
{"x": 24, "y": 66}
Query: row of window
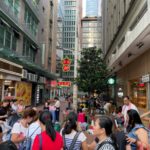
{"x": 68, "y": 45}
{"x": 89, "y": 29}
{"x": 68, "y": 18}
{"x": 28, "y": 50}
{"x": 70, "y": 12}
{"x": 70, "y": 3}
{"x": 69, "y": 29}
{"x": 70, "y": 34}
{"x": 14, "y": 6}
{"x": 30, "y": 21}
{"x": 70, "y": 40}
{"x": 90, "y": 24}
{"x": 69, "y": 23}
{"x": 7, "y": 38}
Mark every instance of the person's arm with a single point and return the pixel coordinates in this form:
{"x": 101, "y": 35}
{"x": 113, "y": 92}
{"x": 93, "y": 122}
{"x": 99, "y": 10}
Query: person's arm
{"x": 142, "y": 138}
{"x": 92, "y": 145}
{"x": 17, "y": 136}
{"x": 84, "y": 145}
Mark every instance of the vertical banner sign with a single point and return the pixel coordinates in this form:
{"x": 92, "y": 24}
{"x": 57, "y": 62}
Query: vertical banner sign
{"x": 66, "y": 62}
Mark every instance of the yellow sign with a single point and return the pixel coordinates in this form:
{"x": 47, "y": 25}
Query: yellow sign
{"x": 23, "y": 92}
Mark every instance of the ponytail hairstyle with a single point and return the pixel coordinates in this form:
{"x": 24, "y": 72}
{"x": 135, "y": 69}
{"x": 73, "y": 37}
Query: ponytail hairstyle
{"x": 71, "y": 123}
{"x": 46, "y": 119}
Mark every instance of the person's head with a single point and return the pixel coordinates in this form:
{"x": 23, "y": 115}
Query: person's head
{"x": 6, "y": 103}
{"x": 133, "y": 118}
{"x": 103, "y": 126}
{"x": 56, "y": 99}
{"x": 46, "y": 104}
{"x": 119, "y": 109}
{"x": 45, "y": 119}
{"x": 126, "y": 100}
{"x": 21, "y": 102}
{"x": 71, "y": 123}
{"x": 29, "y": 115}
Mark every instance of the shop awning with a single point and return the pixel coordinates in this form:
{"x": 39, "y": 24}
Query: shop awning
{"x": 12, "y": 56}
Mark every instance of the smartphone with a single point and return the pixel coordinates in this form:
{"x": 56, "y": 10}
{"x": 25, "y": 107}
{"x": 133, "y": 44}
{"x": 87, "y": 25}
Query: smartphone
{"x": 116, "y": 124}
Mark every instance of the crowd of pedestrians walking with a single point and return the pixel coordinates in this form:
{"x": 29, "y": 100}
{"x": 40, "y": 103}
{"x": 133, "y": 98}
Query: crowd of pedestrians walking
{"x": 29, "y": 128}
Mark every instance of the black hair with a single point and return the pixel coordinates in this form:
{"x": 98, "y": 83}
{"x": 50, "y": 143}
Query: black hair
{"x": 56, "y": 98}
{"x": 134, "y": 118}
{"x": 106, "y": 123}
{"x": 127, "y": 97}
{"x": 46, "y": 119}
{"x": 8, "y": 145}
{"x": 70, "y": 123}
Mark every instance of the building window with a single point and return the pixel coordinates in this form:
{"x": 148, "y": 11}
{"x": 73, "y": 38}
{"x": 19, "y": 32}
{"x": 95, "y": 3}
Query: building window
{"x": 29, "y": 51}
{"x": 30, "y": 21}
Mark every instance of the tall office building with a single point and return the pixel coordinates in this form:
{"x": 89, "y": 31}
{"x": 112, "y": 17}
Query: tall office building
{"x": 22, "y": 73}
{"x": 126, "y": 34}
{"x": 91, "y": 32}
{"x": 70, "y": 28}
{"x": 92, "y": 8}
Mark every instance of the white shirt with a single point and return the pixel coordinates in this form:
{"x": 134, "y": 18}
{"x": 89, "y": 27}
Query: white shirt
{"x": 125, "y": 108}
{"x": 57, "y": 104}
{"x": 34, "y": 129}
{"x": 69, "y": 138}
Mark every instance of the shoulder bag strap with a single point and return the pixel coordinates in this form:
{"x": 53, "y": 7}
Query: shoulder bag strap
{"x": 74, "y": 141}
{"x": 65, "y": 148}
{"x": 105, "y": 142}
{"x": 40, "y": 141}
{"x": 33, "y": 131}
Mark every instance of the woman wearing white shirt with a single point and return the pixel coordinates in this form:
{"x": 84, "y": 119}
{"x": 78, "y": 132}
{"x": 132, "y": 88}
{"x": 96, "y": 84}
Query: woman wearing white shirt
{"x": 20, "y": 129}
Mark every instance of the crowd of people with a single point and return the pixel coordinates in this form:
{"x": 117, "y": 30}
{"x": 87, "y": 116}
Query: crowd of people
{"x": 31, "y": 128}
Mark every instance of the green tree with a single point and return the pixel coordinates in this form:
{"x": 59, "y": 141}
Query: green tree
{"x": 92, "y": 71}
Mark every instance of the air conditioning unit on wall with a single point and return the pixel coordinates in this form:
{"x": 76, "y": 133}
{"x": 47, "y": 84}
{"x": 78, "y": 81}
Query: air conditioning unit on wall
{"x": 24, "y": 74}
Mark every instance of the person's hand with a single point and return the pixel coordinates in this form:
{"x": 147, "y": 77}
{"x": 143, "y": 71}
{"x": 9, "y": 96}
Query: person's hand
{"x": 1, "y": 122}
{"x": 131, "y": 140}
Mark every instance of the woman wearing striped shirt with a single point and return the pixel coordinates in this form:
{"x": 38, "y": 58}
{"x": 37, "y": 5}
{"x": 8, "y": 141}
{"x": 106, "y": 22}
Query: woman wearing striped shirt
{"x": 102, "y": 130}
{"x": 70, "y": 132}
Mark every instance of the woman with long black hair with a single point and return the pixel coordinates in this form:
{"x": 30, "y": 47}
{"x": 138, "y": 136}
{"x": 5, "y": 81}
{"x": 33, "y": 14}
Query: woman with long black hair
{"x": 73, "y": 140}
{"x": 49, "y": 138}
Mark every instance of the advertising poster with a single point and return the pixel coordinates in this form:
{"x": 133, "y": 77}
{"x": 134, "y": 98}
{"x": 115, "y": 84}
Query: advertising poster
{"x": 24, "y": 92}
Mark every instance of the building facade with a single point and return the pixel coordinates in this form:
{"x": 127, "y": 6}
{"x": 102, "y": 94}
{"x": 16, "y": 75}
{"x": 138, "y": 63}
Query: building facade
{"x": 126, "y": 47}
{"x": 90, "y": 35}
{"x": 92, "y": 8}
{"x": 70, "y": 27}
{"x": 22, "y": 75}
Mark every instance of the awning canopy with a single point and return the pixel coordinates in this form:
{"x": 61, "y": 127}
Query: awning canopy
{"x": 12, "y": 56}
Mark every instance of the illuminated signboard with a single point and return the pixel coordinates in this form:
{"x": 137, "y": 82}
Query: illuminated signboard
{"x": 64, "y": 83}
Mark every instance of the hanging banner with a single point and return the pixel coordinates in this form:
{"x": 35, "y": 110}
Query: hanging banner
{"x": 24, "y": 92}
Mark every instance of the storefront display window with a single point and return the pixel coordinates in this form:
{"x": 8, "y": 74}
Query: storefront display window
{"x": 9, "y": 89}
{"x": 138, "y": 93}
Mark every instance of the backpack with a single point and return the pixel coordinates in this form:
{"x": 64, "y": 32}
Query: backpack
{"x": 73, "y": 141}
{"x": 8, "y": 145}
{"x": 26, "y": 144}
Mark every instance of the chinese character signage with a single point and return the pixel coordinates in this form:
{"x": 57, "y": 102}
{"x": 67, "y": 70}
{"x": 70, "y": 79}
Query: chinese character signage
{"x": 64, "y": 83}
{"x": 66, "y": 62}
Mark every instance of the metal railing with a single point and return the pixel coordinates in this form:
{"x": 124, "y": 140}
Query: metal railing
{"x": 8, "y": 11}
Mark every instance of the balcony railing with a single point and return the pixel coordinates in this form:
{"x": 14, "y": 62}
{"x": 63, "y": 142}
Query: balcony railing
{"x": 8, "y": 10}
{"x": 33, "y": 7}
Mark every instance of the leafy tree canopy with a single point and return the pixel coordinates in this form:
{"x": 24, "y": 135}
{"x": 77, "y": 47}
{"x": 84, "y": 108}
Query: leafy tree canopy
{"x": 92, "y": 71}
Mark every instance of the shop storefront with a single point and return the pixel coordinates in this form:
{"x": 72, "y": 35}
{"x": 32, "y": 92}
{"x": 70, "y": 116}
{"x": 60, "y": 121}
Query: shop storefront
{"x": 138, "y": 92}
{"x": 134, "y": 80}
{"x": 10, "y": 73}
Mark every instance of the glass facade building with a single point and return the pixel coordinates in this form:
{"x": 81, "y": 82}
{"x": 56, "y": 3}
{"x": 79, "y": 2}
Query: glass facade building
{"x": 69, "y": 34}
{"x": 92, "y": 8}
